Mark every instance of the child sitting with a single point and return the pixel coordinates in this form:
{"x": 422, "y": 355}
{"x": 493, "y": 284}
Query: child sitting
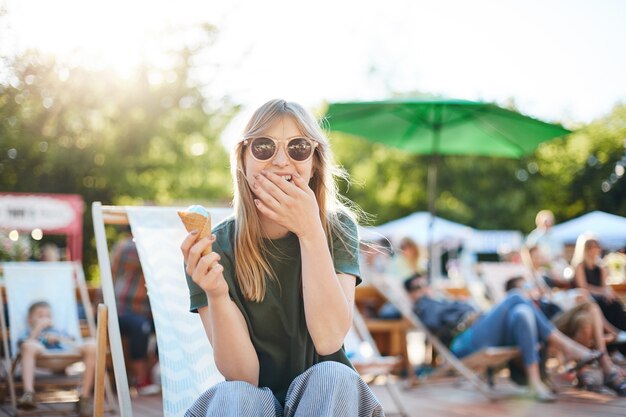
{"x": 40, "y": 338}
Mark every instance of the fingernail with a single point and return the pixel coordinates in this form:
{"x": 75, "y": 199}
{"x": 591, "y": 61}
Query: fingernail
{"x": 297, "y": 175}
{"x": 257, "y": 176}
{"x": 195, "y": 232}
{"x": 256, "y": 201}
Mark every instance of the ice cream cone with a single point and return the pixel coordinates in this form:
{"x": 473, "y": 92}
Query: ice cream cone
{"x": 196, "y": 221}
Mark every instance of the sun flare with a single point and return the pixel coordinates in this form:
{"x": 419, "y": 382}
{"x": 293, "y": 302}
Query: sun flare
{"x": 115, "y": 34}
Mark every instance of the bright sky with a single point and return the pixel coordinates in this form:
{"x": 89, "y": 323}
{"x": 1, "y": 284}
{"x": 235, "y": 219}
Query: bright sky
{"x": 559, "y": 59}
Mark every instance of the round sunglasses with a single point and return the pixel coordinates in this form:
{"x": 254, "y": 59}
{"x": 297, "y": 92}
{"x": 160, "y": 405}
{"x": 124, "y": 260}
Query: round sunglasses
{"x": 298, "y": 149}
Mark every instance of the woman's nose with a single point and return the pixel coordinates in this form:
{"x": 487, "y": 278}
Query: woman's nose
{"x": 281, "y": 158}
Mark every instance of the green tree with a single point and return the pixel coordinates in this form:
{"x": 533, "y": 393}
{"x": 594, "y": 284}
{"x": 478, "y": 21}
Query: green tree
{"x": 67, "y": 129}
{"x": 565, "y": 175}
{"x": 578, "y": 174}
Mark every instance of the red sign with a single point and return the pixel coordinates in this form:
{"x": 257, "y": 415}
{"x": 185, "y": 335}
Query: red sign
{"x": 52, "y": 213}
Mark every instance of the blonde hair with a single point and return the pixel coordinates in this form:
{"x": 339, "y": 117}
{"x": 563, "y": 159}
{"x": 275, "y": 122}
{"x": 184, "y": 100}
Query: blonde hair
{"x": 406, "y": 244}
{"x": 252, "y": 267}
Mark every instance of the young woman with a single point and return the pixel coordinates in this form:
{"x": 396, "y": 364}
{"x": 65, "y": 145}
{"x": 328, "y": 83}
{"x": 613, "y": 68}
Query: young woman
{"x": 592, "y": 276}
{"x": 407, "y": 261}
{"x": 276, "y": 294}
{"x": 584, "y": 324}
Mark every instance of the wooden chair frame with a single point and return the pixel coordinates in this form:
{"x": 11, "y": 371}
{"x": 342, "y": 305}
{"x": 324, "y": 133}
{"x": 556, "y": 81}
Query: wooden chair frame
{"x": 376, "y": 366}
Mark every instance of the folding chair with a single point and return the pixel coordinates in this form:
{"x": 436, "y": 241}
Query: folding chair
{"x": 468, "y": 367}
{"x": 368, "y": 361}
{"x": 495, "y": 274}
{"x": 54, "y": 282}
{"x": 185, "y": 354}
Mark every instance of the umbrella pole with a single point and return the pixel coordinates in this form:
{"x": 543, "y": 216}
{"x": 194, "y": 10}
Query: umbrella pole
{"x": 433, "y": 267}
{"x": 433, "y": 167}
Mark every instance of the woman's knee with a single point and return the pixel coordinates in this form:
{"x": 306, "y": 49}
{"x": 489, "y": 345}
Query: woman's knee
{"x": 233, "y": 386}
{"x": 331, "y": 368}
{"x": 239, "y": 390}
{"x": 331, "y": 372}
{"x": 238, "y": 397}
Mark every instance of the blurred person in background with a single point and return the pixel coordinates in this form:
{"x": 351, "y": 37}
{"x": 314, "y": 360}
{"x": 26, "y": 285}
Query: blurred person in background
{"x": 512, "y": 322}
{"x": 592, "y": 276}
{"x": 42, "y": 337}
{"x": 565, "y": 293}
{"x": 583, "y": 322}
{"x": 551, "y": 249}
{"x": 373, "y": 259}
{"x": 133, "y": 309}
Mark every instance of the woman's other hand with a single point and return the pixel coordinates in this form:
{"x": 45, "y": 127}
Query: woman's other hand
{"x": 205, "y": 271}
{"x": 292, "y": 204}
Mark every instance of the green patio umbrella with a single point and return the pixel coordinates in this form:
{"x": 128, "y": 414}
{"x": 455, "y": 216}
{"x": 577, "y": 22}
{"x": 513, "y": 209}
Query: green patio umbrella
{"x": 439, "y": 126}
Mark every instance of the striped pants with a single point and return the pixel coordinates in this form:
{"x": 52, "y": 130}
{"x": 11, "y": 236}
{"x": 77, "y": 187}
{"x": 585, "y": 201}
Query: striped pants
{"x": 328, "y": 389}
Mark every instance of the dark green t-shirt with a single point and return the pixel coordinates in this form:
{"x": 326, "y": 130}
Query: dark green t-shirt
{"x": 277, "y": 325}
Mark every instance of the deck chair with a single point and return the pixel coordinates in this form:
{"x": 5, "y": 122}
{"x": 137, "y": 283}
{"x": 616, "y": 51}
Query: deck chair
{"x": 54, "y": 282}
{"x": 469, "y": 367}
{"x": 368, "y": 361}
{"x": 495, "y": 274}
{"x": 185, "y": 355}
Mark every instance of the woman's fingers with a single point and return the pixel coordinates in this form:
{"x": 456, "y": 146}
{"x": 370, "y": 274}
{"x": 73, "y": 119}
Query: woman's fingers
{"x": 207, "y": 262}
{"x": 209, "y": 274}
{"x": 281, "y": 187}
{"x": 271, "y": 184}
{"x": 204, "y": 267}
{"x": 260, "y": 190}
{"x": 195, "y": 252}
{"x": 301, "y": 184}
{"x": 188, "y": 242}
{"x": 264, "y": 209}
{"x": 205, "y": 271}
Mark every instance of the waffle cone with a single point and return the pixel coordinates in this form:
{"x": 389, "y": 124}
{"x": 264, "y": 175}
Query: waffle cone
{"x": 196, "y": 221}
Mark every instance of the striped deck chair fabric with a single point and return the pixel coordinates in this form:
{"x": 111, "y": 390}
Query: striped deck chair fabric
{"x": 185, "y": 355}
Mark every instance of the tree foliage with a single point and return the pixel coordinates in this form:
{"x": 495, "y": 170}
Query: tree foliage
{"x": 565, "y": 175}
{"x": 578, "y": 174}
{"x": 151, "y": 137}
{"x": 154, "y": 137}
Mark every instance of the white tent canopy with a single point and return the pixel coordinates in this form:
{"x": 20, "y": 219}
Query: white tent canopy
{"x": 416, "y": 226}
{"x": 495, "y": 241}
{"x": 608, "y": 228}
